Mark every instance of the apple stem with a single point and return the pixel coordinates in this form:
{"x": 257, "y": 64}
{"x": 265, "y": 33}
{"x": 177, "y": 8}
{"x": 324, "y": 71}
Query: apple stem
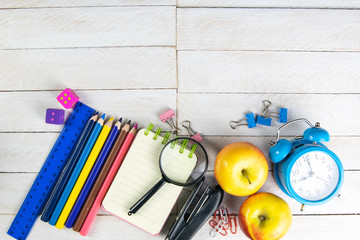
{"x": 245, "y": 174}
{"x": 261, "y": 218}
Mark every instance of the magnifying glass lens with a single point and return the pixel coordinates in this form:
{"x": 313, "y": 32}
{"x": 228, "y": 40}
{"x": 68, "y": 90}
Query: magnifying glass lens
{"x": 183, "y": 163}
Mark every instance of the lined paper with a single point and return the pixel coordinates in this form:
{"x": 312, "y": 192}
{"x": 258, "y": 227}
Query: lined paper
{"x": 138, "y": 174}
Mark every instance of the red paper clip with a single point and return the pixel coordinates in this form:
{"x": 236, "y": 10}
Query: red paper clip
{"x": 218, "y": 227}
{"x": 233, "y": 223}
{"x": 221, "y": 225}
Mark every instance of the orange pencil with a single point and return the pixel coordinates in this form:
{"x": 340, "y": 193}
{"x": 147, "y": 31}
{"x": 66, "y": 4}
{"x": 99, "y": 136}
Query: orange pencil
{"x": 110, "y": 177}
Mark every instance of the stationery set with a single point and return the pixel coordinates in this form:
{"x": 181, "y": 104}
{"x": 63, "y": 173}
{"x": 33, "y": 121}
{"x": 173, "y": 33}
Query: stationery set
{"x": 97, "y": 163}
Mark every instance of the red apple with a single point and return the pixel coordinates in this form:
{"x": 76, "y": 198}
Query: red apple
{"x": 241, "y": 169}
{"x": 264, "y": 216}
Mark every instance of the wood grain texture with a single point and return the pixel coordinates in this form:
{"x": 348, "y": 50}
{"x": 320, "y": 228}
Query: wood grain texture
{"x": 212, "y": 63}
{"x": 141, "y": 106}
{"x": 74, "y": 27}
{"x": 268, "y": 29}
{"x": 81, "y": 3}
{"x": 269, "y": 72}
{"x": 26, "y": 152}
{"x": 343, "y": 227}
{"x": 94, "y": 68}
{"x": 16, "y": 186}
{"x": 271, "y": 3}
{"x": 210, "y": 113}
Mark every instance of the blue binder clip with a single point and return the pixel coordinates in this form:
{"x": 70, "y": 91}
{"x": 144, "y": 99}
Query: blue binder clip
{"x": 250, "y": 119}
{"x": 263, "y": 120}
{"x": 281, "y": 115}
{"x": 266, "y": 115}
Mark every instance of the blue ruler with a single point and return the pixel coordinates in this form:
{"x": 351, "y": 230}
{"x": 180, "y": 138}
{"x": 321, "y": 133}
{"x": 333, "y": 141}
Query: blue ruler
{"x": 50, "y": 172}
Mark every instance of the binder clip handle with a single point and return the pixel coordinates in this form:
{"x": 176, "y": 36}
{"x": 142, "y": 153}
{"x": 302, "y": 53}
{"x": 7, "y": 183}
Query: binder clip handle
{"x": 194, "y": 135}
{"x": 281, "y": 115}
{"x": 168, "y": 117}
{"x": 263, "y": 118}
{"x": 250, "y": 119}
{"x": 266, "y": 105}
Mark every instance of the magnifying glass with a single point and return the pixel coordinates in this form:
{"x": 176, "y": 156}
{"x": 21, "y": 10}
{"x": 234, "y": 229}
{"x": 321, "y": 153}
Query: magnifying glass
{"x": 180, "y": 165}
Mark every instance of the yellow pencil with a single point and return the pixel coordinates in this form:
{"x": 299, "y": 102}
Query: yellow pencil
{"x": 84, "y": 174}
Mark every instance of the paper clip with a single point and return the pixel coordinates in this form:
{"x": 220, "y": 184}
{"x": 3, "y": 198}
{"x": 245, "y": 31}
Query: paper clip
{"x": 250, "y": 119}
{"x": 226, "y": 213}
{"x": 192, "y": 134}
{"x": 219, "y": 226}
{"x": 168, "y": 117}
{"x": 232, "y": 223}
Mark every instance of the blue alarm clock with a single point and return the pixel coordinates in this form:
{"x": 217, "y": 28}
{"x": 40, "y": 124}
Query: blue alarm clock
{"x": 305, "y": 169}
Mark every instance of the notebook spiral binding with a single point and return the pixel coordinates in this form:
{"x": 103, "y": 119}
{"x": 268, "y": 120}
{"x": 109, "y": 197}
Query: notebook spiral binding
{"x": 166, "y": 138}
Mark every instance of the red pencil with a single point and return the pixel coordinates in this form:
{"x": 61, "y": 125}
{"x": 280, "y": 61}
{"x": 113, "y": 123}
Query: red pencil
{"x": 110, "y": 177}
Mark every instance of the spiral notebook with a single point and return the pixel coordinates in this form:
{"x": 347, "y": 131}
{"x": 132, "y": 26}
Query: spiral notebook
{"x": 138, "y": 173}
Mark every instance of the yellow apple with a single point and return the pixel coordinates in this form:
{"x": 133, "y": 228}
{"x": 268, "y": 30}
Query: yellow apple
{"x": 241, "y": 168}
{"x": 264, "y": 216}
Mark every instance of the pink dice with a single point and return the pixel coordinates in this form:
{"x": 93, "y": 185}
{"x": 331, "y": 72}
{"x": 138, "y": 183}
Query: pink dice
{"x": 67, "y": 98}
{"x": 54, "y": 116}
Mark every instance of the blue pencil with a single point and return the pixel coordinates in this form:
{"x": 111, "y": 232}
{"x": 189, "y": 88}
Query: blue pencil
{"x": 64, "y": 177}
{"x": 93, "y": 174}
{"x": 75, "y": 174}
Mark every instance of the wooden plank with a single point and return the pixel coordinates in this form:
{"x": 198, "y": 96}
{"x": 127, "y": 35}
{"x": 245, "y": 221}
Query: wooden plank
{"x": 306, "y": 227}
{"x": 268, "y": 72}
{"x": 93, "y": 27}
{"x": 28, "y": 108}
{"x": 16, "y": 186}
{"x": 105, "y": 227}
{"x": 344, "y": 147}
{"x": 111, "y": 228}
{"x": 345, "y": 204}
{"x": 26, "y": 152}
{"x": 82, "y": 3}
{"x": 271, "y": 3}
{"x": 116, "y": 68}
{"x": 268, "y": 29}
{"x": 210, "y": 113}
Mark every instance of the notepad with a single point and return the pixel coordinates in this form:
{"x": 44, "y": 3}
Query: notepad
{"x": 138, "y": 174}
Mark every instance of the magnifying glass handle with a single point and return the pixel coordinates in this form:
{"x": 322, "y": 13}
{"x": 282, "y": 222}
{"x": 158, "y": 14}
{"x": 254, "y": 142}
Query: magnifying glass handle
{"x": 146, "y": 197}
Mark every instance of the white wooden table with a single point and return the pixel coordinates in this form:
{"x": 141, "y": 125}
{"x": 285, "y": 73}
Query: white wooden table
{"x": 211, "y": 61}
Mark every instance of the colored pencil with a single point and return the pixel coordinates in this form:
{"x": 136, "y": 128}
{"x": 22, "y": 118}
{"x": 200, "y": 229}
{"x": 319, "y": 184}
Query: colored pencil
{"x": 93, "y": 174}
{"x": 100, "y": 179}
{"x": 76, "y": 172}
{"x": 65, "y": 175}
{"x": 110, "y": 177}
{"x": 84, "y": 174}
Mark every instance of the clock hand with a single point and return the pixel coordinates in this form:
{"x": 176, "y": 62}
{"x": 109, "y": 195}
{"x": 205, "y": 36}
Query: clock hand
{"x": 304, "y": 178}
{"x": 310, "y": 166}
{"x": 322, "y": 179}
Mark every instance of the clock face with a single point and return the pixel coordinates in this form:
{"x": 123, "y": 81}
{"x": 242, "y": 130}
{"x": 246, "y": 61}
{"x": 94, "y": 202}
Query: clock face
{"x": 314, "y": 175}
